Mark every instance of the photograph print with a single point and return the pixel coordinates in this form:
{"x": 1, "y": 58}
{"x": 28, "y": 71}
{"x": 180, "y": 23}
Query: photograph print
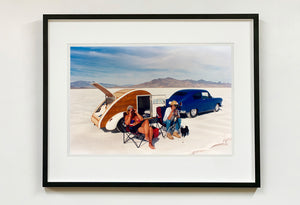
{"x": 158, "y": 99}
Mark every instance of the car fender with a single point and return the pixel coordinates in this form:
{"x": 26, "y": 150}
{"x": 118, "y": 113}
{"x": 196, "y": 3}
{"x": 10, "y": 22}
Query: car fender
{"x": 112, "y": 122}
{"x": 219, "y": 101}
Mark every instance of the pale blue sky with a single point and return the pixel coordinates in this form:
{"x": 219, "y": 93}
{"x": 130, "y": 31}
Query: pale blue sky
{"x": 137, "y": 64}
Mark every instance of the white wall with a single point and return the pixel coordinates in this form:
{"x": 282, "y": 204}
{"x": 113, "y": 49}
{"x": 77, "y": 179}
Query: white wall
{"x": 21, "y": 104}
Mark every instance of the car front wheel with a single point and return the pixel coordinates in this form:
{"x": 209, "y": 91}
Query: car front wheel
{"x": 192, "y": 113}
{"x": 217, "y": 108}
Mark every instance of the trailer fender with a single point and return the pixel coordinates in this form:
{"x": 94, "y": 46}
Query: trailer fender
{"x": 112, "y": 122}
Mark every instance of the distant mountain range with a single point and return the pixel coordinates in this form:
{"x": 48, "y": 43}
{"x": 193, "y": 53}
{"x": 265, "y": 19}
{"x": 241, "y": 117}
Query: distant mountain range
{"x": 88, "y": 84}
{"x": 171, "y": 82}
{"x": 156, "y": 83}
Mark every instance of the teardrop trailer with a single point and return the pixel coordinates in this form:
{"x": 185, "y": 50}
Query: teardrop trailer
{"x": 109, "y": 114}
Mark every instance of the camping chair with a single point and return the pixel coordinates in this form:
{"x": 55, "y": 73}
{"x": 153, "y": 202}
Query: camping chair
{"x": 133, "y": 137}
{"x": 160, "y": 112}
{"x": 128, "y": 135}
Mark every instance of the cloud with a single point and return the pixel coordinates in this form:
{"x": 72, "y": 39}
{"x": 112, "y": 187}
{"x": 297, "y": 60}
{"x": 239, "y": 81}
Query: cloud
{"x": 212, "y": 62}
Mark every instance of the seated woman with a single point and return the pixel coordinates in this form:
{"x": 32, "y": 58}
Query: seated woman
{"x": 137, "y": 123}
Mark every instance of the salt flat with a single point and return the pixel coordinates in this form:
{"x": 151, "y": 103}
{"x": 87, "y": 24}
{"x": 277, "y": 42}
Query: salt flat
{"x": 210, "y": 134}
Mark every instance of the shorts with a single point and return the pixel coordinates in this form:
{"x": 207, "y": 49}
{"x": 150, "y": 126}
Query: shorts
{"x": 135, "y": 128}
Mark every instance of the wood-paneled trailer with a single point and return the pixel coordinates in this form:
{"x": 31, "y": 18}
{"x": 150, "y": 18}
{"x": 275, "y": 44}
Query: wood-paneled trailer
{"x": 109, "y": 114}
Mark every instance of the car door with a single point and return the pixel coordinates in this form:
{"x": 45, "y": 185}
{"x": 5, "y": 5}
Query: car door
{"x": 197, "y": 102}
{"x": 206, "y": 101}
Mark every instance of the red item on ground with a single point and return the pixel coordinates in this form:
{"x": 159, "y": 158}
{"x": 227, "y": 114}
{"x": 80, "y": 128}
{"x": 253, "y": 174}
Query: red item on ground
{"x": 155, "y": 132}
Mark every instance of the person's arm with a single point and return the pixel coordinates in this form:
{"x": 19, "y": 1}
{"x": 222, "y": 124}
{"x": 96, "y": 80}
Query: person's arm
{"x": 171, "y": 113}
{"x": 138, "y": 115}
{"x": 178, "y": 113}
{"x": 166, "y": 115}
{"x": 128, "y": 119}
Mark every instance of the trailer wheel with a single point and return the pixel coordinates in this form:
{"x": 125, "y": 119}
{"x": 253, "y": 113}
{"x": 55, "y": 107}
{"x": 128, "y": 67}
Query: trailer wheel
{"x": 121, "y": 125}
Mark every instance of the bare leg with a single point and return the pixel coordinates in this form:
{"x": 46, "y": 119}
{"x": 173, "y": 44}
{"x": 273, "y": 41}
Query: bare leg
{"x": 150, "y": 138}
{"x": 148, "y": 131}
{"x": 145, "y": 126}
{"x": 151, "y": 133}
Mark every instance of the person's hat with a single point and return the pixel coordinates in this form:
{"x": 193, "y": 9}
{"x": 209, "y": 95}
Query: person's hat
{"x": 174, "y": 102}
{"x": 129, "y": 107}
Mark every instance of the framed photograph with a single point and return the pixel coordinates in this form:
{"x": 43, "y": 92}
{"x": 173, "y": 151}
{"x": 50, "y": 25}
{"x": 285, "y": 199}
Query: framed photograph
{"x": 151, "y": 100}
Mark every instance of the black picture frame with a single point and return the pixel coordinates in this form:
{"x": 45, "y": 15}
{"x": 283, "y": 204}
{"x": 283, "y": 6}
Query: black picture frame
{"x": 254, "y": 17}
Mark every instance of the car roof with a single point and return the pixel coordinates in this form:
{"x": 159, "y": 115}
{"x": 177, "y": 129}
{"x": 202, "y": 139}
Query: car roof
{"x": 192, "y": 90}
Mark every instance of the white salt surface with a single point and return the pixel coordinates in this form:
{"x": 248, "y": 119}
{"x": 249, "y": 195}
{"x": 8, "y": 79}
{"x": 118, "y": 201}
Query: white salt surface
{"x": 210, "y": 134}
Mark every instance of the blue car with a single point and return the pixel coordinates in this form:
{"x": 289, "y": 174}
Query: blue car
{"x": 194, "y": 101}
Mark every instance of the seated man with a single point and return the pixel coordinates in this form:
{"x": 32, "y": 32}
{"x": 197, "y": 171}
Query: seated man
{"x": 171, "y": 116}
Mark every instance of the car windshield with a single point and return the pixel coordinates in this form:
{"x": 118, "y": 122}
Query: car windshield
{"x": 180, "y": 93}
